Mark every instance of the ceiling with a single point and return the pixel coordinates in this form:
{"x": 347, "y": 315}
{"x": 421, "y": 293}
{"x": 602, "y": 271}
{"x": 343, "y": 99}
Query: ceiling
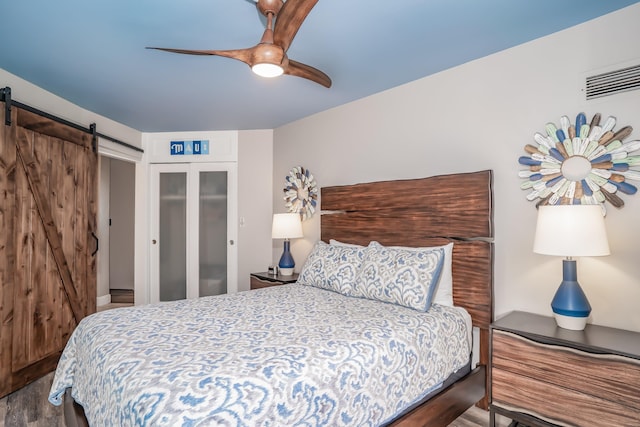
{"x": 93, "y": 54}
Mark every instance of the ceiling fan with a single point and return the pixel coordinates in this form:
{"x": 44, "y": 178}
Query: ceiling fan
{"x": 269, "y": 57}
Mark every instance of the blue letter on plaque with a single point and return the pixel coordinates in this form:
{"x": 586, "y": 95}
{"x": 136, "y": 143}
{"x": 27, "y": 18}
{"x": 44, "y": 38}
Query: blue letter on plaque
{"x": 204, "y": 146}
{"x": 188, "y": 147}
{"x": 181, "y": 148}
{"x": 177, "y": 148}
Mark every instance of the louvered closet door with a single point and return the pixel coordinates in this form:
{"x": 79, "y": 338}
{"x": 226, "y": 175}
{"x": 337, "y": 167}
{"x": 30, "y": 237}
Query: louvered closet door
{"x": 47, "y": 264}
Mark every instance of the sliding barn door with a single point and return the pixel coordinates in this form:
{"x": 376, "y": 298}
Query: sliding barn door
{"x": 47, "y": 259}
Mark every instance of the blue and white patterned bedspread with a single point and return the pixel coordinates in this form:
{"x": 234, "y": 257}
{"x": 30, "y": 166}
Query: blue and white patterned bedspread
{"x": 284, "y": 355}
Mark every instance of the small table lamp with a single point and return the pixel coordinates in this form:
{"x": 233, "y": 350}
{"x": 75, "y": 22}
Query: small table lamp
{"x": 571, "y": 230}
{"x": 286, "y": 226}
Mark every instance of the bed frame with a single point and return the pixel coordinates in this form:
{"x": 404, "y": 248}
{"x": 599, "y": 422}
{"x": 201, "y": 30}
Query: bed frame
{"x": 419, "y": 212}
{"x": 427, "y": 212}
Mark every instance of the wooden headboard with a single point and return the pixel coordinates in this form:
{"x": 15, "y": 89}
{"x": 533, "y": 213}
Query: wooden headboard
{"x": 425, "y": 212}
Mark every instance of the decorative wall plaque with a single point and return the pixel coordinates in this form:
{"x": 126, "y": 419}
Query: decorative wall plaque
{"x": 580, "y": 163}
{"x": 301, "y": 192}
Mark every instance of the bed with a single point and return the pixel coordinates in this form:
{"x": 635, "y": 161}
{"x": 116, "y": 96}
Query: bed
{"x": 305, "y": 354}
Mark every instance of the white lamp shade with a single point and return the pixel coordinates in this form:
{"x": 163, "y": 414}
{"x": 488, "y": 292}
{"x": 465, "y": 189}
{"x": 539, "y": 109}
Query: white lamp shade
{"x": 286, "y": 226}
{"x": 571, "y": 230}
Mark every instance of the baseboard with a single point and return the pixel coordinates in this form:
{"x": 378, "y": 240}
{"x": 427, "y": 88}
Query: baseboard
{"x": 103, "y": 300}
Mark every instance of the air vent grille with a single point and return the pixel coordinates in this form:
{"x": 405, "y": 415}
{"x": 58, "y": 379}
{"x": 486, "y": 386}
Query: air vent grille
{"x": 613, "y": 82}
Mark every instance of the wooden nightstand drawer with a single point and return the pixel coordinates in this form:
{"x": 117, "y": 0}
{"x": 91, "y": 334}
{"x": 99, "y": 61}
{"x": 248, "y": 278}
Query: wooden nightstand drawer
{"x": 564, "y": 385}
{"x": 265, "y": 280}
{"x": 257, "y": 283}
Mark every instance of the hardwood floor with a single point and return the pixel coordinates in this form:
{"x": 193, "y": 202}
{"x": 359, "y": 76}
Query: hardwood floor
{"x": 29, "y": 407}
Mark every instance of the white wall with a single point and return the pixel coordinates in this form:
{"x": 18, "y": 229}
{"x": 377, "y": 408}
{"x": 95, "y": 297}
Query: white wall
{"x": 122, "y": 226}
{"x": 479, "y": 116}
{"x": 255, "y": 169}
{"x": 102, "y": 288}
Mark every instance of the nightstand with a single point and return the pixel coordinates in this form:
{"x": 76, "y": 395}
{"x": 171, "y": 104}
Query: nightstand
{"x": 264, "y": 280}
{"x": 543, "y": 375}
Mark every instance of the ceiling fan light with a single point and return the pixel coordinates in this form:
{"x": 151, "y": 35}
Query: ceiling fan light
{"x": 266, "y": 69}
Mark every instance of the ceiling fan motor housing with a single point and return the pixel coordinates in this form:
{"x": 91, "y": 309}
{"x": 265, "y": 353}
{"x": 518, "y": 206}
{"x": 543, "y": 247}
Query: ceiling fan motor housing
{"x": 268, "y": 53}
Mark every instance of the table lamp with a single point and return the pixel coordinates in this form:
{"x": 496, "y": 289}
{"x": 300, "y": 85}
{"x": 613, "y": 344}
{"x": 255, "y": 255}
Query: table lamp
{"x": 570, "y": 231}
{"x": 286, "y": 226}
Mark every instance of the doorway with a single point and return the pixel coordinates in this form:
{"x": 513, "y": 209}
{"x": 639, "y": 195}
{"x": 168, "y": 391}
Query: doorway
{"x": 116, "y": 227}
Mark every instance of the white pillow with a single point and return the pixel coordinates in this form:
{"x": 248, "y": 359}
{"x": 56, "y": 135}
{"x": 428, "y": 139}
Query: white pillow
{"x": 406, "y": 277}
{"x": 444, "y": 289}
{"x": 332, "y": 267}
{"x": 348, "y": 245}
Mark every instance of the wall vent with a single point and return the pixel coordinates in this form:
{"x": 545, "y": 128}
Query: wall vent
{"x": 613, "y": 82}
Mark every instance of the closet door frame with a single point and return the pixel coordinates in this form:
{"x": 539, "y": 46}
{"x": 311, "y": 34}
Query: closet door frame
{"x": 192, "y": 171}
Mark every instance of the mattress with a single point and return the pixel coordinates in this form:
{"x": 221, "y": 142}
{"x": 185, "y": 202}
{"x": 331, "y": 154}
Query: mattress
{"x": 284, "y": 355}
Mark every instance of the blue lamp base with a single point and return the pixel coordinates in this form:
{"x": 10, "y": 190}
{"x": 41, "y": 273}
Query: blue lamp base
{"x": 570, "y": 305}
{"x": 286, "y": 263}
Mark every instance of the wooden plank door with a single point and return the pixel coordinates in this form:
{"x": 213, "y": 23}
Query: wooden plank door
{"x": 47, "y": 260}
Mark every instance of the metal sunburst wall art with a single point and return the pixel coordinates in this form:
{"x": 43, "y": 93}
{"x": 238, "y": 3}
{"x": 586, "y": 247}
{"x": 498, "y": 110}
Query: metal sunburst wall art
{"x": 581, "y": 163}
{"x": 301, "y": 192}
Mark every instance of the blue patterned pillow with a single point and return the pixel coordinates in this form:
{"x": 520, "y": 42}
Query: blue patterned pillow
{"x": 406, "y": 277}
{"x": 444, "y": 289}
{"x": 332, "y": 267}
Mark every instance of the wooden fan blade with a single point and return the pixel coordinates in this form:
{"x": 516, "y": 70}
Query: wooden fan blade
{"x": 243, "y": 55}
{"x": 299, "y": 69}
{"x": 289, "y": 19}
